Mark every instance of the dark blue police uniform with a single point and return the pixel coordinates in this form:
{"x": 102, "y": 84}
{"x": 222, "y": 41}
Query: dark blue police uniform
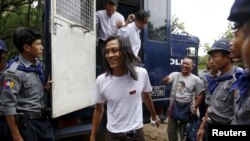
{"x": 23, "y": 95}
{"x": 242, "y": 99}
{"x": 5, "y": 134}
{"x": 220, "y": 109}
{"x": 240, "y": 13}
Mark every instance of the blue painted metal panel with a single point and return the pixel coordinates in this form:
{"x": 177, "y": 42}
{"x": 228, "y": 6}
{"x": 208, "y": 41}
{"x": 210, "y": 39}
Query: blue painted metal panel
{"x": 159, "y": 61}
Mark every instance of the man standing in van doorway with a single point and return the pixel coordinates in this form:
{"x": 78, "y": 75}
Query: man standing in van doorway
{"x": 108, "y": 21}
{"x": 132, "y": 29}
{"x": 123, "y": 87}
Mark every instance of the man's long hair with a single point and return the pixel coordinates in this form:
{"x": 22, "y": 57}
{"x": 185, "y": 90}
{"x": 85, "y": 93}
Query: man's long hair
{"x": 129, "y": 59}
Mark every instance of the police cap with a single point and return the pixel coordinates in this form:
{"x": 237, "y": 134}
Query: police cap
{"x": 222, "y": 45}
{"x": 240, "y": 11}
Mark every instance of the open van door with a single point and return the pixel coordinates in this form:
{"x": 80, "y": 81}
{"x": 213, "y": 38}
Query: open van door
{"x": 72, "y": 52}
{"x": 157, "y": 45}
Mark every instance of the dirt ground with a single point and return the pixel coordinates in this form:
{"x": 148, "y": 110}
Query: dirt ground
{"x": 152, "y": 133}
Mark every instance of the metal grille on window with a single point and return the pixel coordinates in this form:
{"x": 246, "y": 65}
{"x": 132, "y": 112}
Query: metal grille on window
{"x": 79, "y": 11}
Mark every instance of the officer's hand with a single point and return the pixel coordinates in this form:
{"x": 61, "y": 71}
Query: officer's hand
{"x": 200, "y": 134}
{"x": 48, "y": 85}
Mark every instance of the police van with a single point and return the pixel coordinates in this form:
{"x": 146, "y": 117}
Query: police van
{"x": 70, "y": 56}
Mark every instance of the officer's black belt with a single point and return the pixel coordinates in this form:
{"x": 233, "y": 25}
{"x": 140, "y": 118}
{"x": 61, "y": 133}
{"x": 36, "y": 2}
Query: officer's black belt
{"x": 39, "y": 115}
{"x": 211, "y": 121}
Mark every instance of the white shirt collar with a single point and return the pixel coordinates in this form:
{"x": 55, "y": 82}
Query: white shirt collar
{"x": 136, "y": 28}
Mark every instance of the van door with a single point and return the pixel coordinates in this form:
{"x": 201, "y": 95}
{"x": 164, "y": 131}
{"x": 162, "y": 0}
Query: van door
{"x": 157, "y": 44}
{"x": 73, "y": 64}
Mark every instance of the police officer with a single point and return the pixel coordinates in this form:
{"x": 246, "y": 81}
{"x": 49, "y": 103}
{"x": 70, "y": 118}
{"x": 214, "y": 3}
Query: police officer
{"x": 207, "y": 78}
{"x": 240, "y": 14}
{"x": 5, "y": 134}
{"x": 220, "y": 108}
{"x": 23, "y": 90}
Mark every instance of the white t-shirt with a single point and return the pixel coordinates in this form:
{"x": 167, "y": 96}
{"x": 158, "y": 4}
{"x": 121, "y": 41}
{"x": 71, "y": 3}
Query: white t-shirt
{"x": 133, "y": 33}
{"x": 106, "y": 26}
{"x": 124, "y": 99}
{"x": 185, "y": 88}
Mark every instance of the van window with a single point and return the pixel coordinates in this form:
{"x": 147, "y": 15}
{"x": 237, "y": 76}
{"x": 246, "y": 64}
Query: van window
{"x": 157, "y": 24}
{"x": 80, "y": 12}
{"x": 191, "y": 51}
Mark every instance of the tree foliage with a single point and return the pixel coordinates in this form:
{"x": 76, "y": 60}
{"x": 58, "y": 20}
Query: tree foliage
{"x": 158, "y": 34}
{"x": 203, "y": 59}
{"x": 228, "y": 34}
{"x": 177, "y": 26}
{"x": 16, "y": 13}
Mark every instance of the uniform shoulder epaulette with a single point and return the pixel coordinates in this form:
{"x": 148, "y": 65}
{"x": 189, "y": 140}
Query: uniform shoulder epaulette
{"x": 13, "y": 67}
